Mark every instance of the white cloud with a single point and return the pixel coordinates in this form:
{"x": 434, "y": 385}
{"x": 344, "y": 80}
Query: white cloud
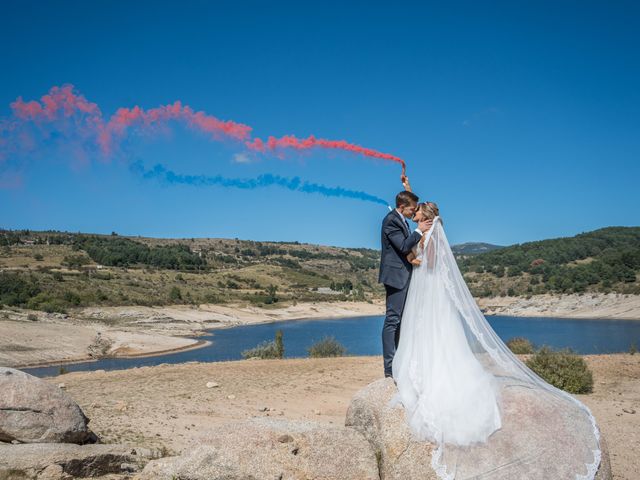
{"x": 241, "y": 158}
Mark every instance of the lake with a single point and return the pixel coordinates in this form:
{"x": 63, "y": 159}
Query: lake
{"x": 361, "y": 336}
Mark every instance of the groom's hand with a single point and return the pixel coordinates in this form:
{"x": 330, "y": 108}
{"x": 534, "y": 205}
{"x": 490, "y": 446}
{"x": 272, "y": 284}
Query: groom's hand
{"x": 425, "y": 225}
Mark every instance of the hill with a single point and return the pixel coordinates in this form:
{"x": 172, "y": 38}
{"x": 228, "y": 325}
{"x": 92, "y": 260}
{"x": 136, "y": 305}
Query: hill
{"x": 473, "y": 248}
{"x": 605, "y": 260}
{"x": 53, "y": 271}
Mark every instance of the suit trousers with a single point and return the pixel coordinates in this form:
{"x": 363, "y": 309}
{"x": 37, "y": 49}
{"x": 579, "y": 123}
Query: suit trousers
{"x": 391, "y": 328}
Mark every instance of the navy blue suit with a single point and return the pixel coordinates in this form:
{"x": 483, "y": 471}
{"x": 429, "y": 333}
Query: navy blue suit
{"x": 395, "y": 274}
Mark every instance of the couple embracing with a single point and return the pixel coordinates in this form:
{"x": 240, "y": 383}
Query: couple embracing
{"x": 488, "y": 415}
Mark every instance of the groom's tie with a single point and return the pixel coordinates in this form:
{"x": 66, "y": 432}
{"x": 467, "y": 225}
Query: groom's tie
{"x": 407, "y": 224}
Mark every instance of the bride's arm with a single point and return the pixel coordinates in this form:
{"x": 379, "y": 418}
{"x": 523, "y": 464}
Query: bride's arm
{"x": 413, "y": 260}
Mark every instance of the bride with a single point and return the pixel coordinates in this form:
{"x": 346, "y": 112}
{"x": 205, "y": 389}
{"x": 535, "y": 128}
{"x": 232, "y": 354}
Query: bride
{"x": 488, "y": 415}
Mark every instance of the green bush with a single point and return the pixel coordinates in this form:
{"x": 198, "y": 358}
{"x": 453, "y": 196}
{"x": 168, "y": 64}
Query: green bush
{"x": 71, "y": 298}
{"x": 563, "y": 369}
{"x": 633, "y": 349}
{"x": 520, "y": 346}
{"x": 265, "y": 349}
{"x": 327, "y": 347}
{"x": 271, "y": 295}
{"x": 17, "y": 290}
{"x": 101, "y": 296}
{"x": 175, "y": 294}
{"x": 212, "y": 298}
{"x": 279, "y": 344}
{"x": 47, "y": 303}
{"x": 75, "y": 261}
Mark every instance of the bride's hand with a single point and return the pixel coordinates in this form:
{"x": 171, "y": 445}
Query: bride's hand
{"x": 425, "y": 225}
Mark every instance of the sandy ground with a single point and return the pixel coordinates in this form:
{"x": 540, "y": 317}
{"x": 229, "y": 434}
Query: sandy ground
{"x": 170, "y": 406}
{"x": 90, "y": 333}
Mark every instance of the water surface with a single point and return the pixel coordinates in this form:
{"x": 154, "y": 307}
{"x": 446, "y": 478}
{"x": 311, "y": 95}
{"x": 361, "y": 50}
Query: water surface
{"x": 361, "y": 336}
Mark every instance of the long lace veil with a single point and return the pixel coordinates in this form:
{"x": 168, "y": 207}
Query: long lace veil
{"x": 509, "y": 425}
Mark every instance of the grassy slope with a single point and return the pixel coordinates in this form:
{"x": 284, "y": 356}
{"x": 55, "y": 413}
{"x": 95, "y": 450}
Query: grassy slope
{"x": 233, "y": 270}
{"x": 63, "y": 274}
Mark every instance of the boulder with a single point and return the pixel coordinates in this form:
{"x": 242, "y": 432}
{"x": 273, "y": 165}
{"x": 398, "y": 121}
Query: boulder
{"x": 265, "y": 448}
{"x": 34, "y": 411}
{"x": 551, "y": 438}
{"x": 44, "y": 461}
{"x": 401, "y": 457}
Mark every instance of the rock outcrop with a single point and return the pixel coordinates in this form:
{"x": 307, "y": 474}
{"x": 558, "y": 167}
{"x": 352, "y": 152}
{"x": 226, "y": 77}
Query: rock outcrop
{"x": 401, "y": 457}
{"x": 541, "y": 453}
{"x": 34, "y": 411}
{"x": 47, "y": 461}
{"x": 272, "y": 449}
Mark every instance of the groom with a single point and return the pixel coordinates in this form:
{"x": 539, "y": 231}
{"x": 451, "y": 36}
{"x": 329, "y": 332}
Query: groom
{"x": 395, "y": 270}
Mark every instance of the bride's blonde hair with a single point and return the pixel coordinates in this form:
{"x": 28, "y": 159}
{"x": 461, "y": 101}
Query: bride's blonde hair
{"x": 429, "y": 210}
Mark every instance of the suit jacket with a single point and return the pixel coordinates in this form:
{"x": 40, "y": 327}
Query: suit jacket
{"x": 397, "y": 242}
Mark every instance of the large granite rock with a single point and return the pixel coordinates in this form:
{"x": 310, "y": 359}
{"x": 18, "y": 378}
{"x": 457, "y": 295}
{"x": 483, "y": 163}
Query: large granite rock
{"x": 34, "y": 411}
{"x": 262, "y": 449}
{"x": 540, "y": 454}
{"x": 47, "y": 461}
{"x": 400, "y": 456}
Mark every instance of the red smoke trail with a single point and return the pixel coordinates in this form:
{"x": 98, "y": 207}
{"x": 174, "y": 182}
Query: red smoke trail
{"x": 125, "y": 118}
{"x": 63, "y": 103}
{"x": 290, "y": 141}
{"x": 59, "y": 99}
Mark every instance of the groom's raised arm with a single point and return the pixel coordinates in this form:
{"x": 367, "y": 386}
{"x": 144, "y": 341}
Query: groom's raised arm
{"x": 405, "y": 183}
{"x": 395, "y": 234}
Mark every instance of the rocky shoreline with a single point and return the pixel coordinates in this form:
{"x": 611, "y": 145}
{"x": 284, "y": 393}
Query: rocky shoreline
{"x": 585, "y": 306}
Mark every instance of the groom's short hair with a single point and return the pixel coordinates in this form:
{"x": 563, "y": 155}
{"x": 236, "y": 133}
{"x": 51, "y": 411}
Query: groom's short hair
{"x": 405, "y": 198}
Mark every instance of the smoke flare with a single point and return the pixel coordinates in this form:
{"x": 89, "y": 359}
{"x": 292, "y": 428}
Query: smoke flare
{"x": 63, "y": 107}
{"x": 290, "y": 183}
{"x": 290, "y": 141}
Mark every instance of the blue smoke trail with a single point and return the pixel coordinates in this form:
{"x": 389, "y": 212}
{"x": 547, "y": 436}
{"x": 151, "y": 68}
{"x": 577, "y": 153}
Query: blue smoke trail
{"x": 267, "y": 180}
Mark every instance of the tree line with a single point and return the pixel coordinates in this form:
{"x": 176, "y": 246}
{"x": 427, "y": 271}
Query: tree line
{"x": 602, "y": 260}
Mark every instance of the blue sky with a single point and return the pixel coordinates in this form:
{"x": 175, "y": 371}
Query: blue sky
{"x": 520, "y": 119}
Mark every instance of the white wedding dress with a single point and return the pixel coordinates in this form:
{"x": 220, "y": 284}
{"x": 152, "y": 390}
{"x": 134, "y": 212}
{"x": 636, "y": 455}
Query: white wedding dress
{"x": 488, "y": 415}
